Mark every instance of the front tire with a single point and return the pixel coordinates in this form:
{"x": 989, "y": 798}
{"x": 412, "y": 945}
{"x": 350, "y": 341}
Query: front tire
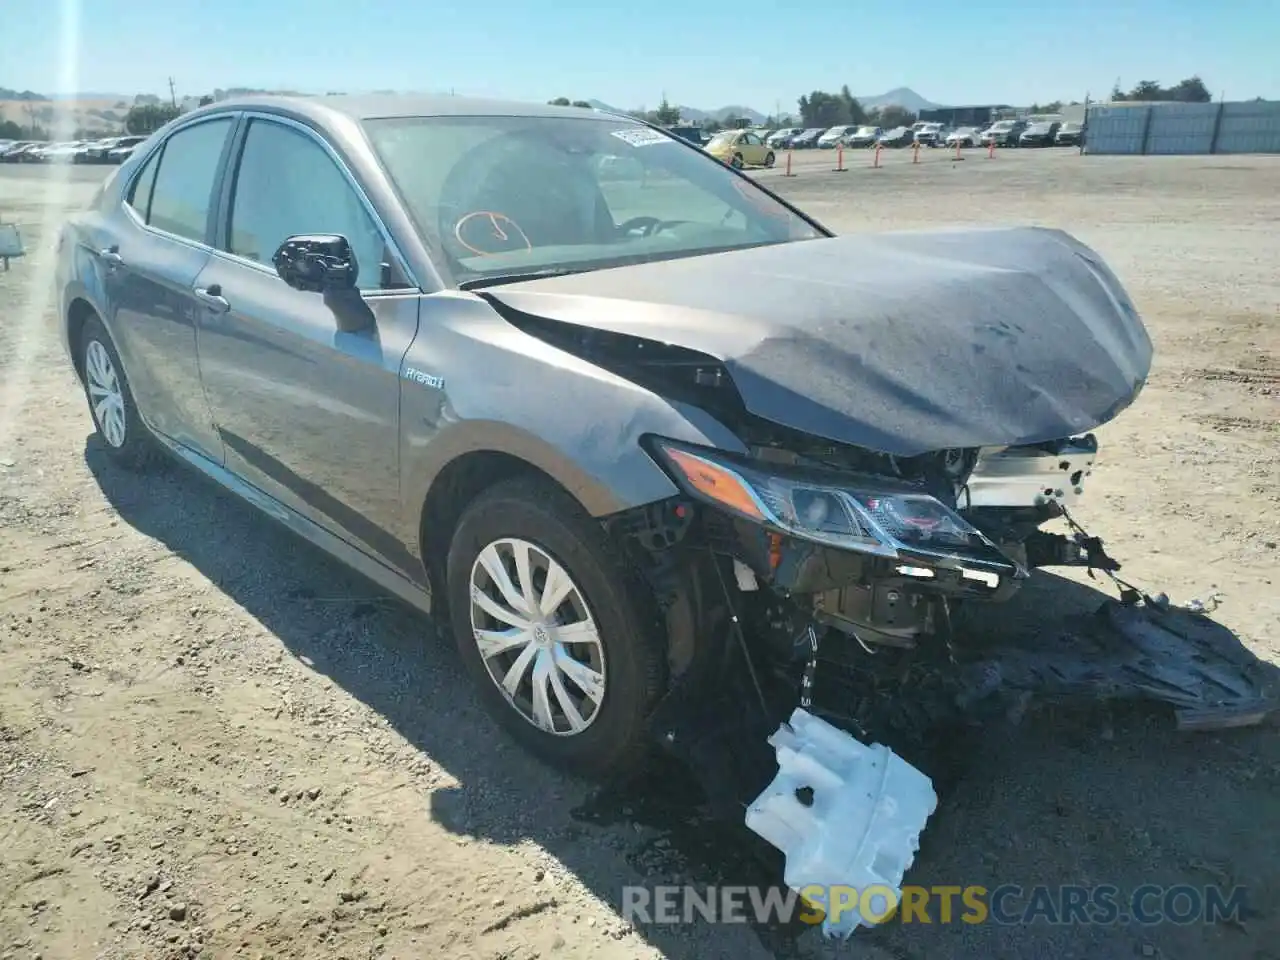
{"x": 769, "y": 159}
{"x": 560, "y": 636}
{"x": 111, "y": 405}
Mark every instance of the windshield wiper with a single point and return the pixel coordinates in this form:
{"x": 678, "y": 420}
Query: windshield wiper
{"x": 501, "y": 278}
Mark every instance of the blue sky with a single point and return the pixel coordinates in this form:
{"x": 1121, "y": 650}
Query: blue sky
{"x": 707, "y": 54}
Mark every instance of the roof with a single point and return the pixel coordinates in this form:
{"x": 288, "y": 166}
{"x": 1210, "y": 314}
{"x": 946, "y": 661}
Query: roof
{"x": 379, "y": 106}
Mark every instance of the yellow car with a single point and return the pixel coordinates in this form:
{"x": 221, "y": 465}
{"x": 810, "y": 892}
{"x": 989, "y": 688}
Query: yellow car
{"x": 740, "y": 148}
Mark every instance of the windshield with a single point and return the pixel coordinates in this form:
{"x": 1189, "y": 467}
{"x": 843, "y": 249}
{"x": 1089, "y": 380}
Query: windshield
{"x": 501, "y": 195}
{"x": 866, "y": 131}
{"x": 1070, "y": 127}
{"x": 1003, "y": 125}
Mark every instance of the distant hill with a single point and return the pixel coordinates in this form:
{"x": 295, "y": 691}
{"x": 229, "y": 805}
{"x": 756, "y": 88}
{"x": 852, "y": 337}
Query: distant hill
{"x": 693, "y": 114}
{"x": 900, "y": 97}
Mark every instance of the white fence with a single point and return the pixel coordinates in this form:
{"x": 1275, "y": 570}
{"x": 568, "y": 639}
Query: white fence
{"x": 1180, "y": 128}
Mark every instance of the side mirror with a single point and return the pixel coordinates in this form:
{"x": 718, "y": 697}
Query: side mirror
{"x": 317, "y": 263}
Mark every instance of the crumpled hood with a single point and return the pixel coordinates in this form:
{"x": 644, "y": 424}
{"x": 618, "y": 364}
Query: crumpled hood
{"x": 899, "y": 342}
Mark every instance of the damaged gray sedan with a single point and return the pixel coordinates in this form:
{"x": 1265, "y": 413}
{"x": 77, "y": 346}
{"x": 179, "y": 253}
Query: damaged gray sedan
{"x": 633, "y": 424}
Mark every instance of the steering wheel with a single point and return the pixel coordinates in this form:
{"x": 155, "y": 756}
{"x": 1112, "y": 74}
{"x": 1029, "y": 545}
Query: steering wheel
{"x": 650, "y": 225}
{"x": 501, "y": 228}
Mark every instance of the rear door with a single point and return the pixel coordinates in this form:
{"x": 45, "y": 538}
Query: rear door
{"x": 308, "y": 413}
{"x": 149, "y": 265}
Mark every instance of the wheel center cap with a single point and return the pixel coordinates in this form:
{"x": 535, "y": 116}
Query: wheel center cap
{"x": 541, "y": 635}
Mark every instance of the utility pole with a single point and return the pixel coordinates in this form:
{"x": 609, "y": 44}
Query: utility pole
{"x": 173, "y": 97}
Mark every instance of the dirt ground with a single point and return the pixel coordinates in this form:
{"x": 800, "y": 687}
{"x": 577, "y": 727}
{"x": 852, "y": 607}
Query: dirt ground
{"x": 216, "y": 742}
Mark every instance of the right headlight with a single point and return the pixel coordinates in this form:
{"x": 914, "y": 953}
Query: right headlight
{"x": 866, "y": 514}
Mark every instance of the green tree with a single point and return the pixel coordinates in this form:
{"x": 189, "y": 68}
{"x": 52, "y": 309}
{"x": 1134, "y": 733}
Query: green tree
{"x": 10, "y": 130}
{"x": 559, "y": 102}
{"x": 822, "y": 109}
{"x": 892, "y": 116}
{"x": 206, "y": 100}
{"x": 1190, "y": 90}
{"x": 146, "y": 118}
{"x": 667, "y": 115}
{"x": 853, "y": 109}
{"x": 1146, "y": 90}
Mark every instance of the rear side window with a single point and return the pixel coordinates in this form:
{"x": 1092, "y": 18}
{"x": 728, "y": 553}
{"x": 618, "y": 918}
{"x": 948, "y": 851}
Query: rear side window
{"x": 183, "y": 189}
{"x": 140, "y": 193}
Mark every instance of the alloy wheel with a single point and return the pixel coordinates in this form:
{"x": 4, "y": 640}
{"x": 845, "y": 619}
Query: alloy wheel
{"x": 105, "y": 394}
{"x": 537, "y": 636}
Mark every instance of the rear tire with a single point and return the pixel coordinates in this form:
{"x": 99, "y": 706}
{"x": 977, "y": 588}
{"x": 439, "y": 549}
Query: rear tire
{"x": 115, "y": 415}
{"x": 736, "y": 162}
{"x": 769, "y": 159}
{"x": 597, "y": 653}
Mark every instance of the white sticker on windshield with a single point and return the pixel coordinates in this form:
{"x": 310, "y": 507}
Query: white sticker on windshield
{"x": 641, "y": 136}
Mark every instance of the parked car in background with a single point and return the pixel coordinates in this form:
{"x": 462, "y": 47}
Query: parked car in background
{"x": 14, "y": 151}
{"x": 1069, "y": 135}
{"x": 931, "y": 134}
{"x": 864, "y": 137}
{"x": 740, "y": 148}
{"x": 61, "y": 152}
{"x": 1003, "y": 133}
{"x": 1039, "y": 134}
{"x": 807, "y": 138}
{"x": 124, "y": 150}
{"x": 36, "y": 152}
{"x": 964, "y": 136}
{"x": 689, "y": 133}
{"x": 834, "y": 137}
{"x": 897, "y": 137}
{"x": 781, "y": 139}
{"x": 94, "y": 151}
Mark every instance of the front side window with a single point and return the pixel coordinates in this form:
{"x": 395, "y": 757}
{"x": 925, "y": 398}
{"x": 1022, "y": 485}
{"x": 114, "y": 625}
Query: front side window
{"x": 287, "y": 185}
{"x": 183, "y": 190}
{"x": 501, "y": 195}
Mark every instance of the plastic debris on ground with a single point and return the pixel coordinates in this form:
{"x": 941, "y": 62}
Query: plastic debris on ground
{"x": 845, "y": 815}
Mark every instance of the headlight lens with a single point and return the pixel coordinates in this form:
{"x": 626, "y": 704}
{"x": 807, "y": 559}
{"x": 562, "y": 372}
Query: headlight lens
{"x": 867, "y": 514}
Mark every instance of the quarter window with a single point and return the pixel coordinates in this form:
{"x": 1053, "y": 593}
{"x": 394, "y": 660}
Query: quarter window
{"x": 288, "y": 185}
{"x": 140, "y": 193}
{"x": 183, "y": 190}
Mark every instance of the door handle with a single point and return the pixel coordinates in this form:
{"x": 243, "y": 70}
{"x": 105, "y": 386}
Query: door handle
{"x": 211, "y": 296}
{"x": 111, "y": 256}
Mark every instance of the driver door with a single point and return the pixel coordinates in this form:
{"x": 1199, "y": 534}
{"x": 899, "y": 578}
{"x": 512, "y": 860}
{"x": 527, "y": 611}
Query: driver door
{"x": 308, "y": 413}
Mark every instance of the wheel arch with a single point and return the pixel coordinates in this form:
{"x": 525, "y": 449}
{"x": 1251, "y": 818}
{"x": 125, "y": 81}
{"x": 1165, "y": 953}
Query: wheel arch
{"x": 457, "y": 484}
{"x": 79, "y": 312}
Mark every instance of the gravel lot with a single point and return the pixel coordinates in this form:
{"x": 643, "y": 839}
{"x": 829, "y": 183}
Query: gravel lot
{"x": 213, "y": 738}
